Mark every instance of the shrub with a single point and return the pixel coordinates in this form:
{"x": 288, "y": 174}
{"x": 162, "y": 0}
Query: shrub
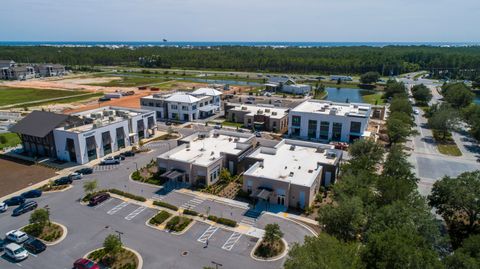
{"x": 224, "y": 221}
{"x": 160, "y": 218}
{"x": 178, "y": 224}
{"x": 128, "y": 195}
{"x": 87, "y": 197}
{"x": 190, "y": 212}
{"x": 136, "y": 176}
{"x": 166, "y": 205}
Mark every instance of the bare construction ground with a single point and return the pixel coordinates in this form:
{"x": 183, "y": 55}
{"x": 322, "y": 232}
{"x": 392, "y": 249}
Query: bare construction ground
{"x": 17, "y": 175}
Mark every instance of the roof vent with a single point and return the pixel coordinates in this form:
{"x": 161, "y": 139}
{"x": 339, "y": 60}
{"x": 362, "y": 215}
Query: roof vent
{"x": 285, "y": 167}
{"x": 211, "y": 153}
{"x": 188, "y": 145}
{"x": 274, "y": 113}
{"x": 261, "y": 165}
{"x": 267, "y": 110}
{"x": 236, "y": 139}
{"x": 291, "y": 174}
{"x": 310, "y": 171}
{"x": 244, "y": 108}
{"x": 320, "y": 150}
{"x": 292, "y": 147}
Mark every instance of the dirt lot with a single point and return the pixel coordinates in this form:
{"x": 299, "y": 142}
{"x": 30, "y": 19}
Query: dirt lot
{"x": 17, "y": 175}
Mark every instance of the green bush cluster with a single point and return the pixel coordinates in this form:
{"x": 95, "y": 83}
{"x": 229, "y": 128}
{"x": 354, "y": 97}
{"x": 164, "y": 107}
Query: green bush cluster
{"x": 128, "y": 195}
{"x": 160, "y": 218}
{"x": 136, "y": 176}
{"x": 190, "y": 212}
{"x": 224, "y": 221}
{"x": 178, "y": 224}
{"x": 89, "y": 196}
{"x": 166, "y": 205}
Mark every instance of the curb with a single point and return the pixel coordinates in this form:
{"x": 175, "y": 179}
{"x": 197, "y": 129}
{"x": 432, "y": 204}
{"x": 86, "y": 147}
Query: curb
{"x": 62, "y": 190}
{"x": 294, "y": 221}
{"x": 142, "y": 183}
{"x": 276, "y": 258}
{"x": 64, "y": 234}
{"x": 167, "y": 231}
{"x": 139, "y": 257}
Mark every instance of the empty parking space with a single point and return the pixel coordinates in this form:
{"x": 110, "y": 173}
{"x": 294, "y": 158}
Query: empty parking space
{"x": 135, "y": 213}
{"x": 117, "y": 208}
{"x": 108, "y": 167}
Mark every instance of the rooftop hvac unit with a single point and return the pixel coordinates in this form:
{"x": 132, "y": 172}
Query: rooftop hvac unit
{"x": 274, "y": 113}
{"x": 320, "y": 150}
{"x": 111, "y": 118}
{"x": 244, "y": 108}
{"x": 260, "y": 112}
{"x": 291, "y": 174}
{"x": 108, "y": 112}
{"x": 216, "y": 135}
{"x": 331, "y": 155}
{"x": 292, "y": 147}
{"x": 333, "y": 111}
{"x": 96, "y": 115}
{"x": 236, "y": 139}
{"x": 267, "y": 110}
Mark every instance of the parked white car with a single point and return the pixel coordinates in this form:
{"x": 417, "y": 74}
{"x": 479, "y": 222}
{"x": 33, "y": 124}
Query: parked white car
{"x": 110, "y": 160}
{"x": 17, "y": 236}
{"x": 16, "y": 252}
{"x": 3, "y": 207}
{"x": 75, "y": 176}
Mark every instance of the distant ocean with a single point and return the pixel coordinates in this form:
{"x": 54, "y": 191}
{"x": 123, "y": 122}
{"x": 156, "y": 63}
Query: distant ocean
{"x": 214, "y": 44}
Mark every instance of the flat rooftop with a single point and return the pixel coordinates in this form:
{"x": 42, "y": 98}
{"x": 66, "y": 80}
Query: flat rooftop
{"x": 293, "y": 161}
{"x": 104, "y": 116}
{"x": 332, "y": 108}
{"x": 272, "y": 112}
{"x": 205, "y": 148}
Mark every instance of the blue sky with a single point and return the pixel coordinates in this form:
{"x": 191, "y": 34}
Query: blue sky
{"x": 240, "y": 20}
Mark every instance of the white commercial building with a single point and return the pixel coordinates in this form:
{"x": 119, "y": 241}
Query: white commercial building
{"x": 287, "y": 85}
{"x": 327, "y": 121}
{"x": 101, "y": 131}
{"x": 290, "y": 173}
{"x": 183, "y": 106}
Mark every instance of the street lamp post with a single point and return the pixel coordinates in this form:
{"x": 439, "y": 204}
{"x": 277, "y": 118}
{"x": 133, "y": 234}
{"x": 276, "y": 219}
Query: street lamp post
{"x": 119, "y": 235}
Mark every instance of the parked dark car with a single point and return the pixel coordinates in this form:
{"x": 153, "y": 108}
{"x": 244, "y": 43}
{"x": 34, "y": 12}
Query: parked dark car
{"x": 119, "y": 157}
{"x": 63, "y": 181}
{"x": 32, "y": 194}
{"x": 24, "y": 208}
{"x": 85, "y": 264}
{"x": 99, "y": 198}
{"x": 85, "y": 171}
{"x": 128, "y": 153}
{"x": 16, "y": 200}
{"x": 104, "y": 99}
{"x": 33, "y": 245}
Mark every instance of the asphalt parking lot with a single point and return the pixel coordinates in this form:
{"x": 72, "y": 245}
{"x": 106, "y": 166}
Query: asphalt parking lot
{"x": 88, "y": 226}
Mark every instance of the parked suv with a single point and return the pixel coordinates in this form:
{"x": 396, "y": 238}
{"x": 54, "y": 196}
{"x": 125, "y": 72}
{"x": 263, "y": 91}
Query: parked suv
{"x": 63, "y": 181}
{"x": 17, "y": 200}
{"x": 16, "y": 252}
{"x": 99, "y": 198}
{"x": 24, "y": 208}
{"x": 110, "y": 160}
{"x": 33, "y": 245}
{"x": 32, "y": 194}
{"x": 85, "y": 171}
{"x": 17, "y": 236}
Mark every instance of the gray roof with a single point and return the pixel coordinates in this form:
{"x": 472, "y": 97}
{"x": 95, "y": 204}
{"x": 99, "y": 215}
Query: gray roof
{"x": 39, "y": 123}
{"x": 279, "y": 80}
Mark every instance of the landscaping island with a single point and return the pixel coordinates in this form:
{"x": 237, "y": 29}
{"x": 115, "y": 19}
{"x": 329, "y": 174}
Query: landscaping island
{"x": 272, "y": 245}
{"x": 114, "y": 255}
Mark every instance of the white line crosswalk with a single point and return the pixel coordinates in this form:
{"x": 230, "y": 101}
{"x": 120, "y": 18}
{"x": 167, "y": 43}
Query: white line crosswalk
{"x": 135, "y": 213}
{"x": 191, "y": 204}
{"x": 231, "y": 241}
{"x": 158, "y": 197}
{"x": 248, "y": 221}
{"x": 207, "y": 234}
{"x": 99, "y": 168}
{"x": 117, "y": 208}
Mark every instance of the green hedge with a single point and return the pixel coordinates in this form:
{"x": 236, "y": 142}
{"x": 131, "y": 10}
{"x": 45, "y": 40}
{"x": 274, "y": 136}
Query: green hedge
{"x": 166, "y": 205}
{"x": 224, "y": 221}
{"x": 190, "y": 212}
{"x": 160, "y": 218}
{"x": 128, "y": 195}
{"x": 178, "y": 224}
{"x": 136, "y": 176}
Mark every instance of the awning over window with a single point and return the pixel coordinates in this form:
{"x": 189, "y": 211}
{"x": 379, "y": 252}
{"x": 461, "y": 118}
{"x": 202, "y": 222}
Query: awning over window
{"x": 172, "y": 174}
{"x": 208, "y": 108}
{"x": 262, "y": 194}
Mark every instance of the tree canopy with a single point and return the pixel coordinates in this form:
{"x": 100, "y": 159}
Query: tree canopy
{"x": 422, "y": 94}
{"x": 458, "y": 95}
{"x": 369, "y": 77}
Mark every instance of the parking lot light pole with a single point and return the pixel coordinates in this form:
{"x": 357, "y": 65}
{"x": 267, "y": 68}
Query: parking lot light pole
{"x": 217, "y": 264}
{"x": 119, "y": 235}
{"x": 136, "y": 166}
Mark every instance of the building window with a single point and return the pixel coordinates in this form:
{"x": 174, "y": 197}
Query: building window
{"x": 158, "y": 105}
{"x": 150, "y": 104}
{"x": 312, "y": 129}
{"x": 184, "y": 107}
{"x": 355, "y": 127}
{"x": 296, "y": 121}
{"x": 174, "y": 106}
{"x": 194, "y": 107}
{"x": 337, "y": 131}
{"x": 274, "y": 124}
{"x": 324, "y": 128}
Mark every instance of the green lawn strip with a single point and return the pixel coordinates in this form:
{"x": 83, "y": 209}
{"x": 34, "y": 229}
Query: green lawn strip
{"x": 9, "y": 95}
{"x": 166, "y": 205}
{"x": 446, "y": 145}
{"x": 231, "y": 124}
{"x": 374, "y": 98}
{"x": 64, "y": 101}
{"x": 161, "y": 217}
{"x": 9, "y": 140}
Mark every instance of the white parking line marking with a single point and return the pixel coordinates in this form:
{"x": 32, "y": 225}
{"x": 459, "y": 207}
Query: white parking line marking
{"x": 248, "y": 221}
{"x": 207, "y": 234}
{"x": 104, "y": 203}
{"x": 191, "y": 204}
{"x": 117, "y": 208}
{"x": 231, "y": 241}
{"x": 158, "y": 197}
{"x": 135, "y": 213}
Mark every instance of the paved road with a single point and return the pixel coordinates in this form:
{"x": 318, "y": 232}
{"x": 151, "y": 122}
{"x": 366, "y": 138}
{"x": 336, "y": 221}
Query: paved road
{"x": 87, "y": 227}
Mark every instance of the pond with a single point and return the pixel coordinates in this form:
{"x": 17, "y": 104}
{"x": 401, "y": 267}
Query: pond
{"x": 477, "y": 98}
{"x": 344, "y": 95}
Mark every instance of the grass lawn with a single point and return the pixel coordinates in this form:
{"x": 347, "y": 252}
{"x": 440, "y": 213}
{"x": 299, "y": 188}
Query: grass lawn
{"x": 446, "y": 145}
{"x": 9, "y": 96}
{"x": 131, "y": 81}
{"x": 320, "y": 95}
{"x": 231, "y": 124}
{"x": 66, "y": 100}
{"x": 160, "y": 218}
{"x": 178, "y": 223}
{"x": 374, "y": 98}
{"x": 9, "y": 140}
{"x": 123, "y": 260}
{"x": 50, "y": 233}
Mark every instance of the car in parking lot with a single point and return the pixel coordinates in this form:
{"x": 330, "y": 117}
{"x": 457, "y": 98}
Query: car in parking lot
{"x": 16, "y": 236}
{"x": 3, "y": 207}
{"x": 128, "y": 153}
{"x": 33, "y": 245}
{"x": 75, "y": 176}
{"x": 98, "y": 198}
{"x": 110, "y": 160}
{"x": 16, "y": 252}
{"x": 32, "y": 194}
{"x": 416, "y": 112}
{"x": 63, "y": 181}
{"x": 24, "y": 208}
{"x": 16, "y": 200}
{"x": 119, "y": 157}
{"x": 85, "y": 264}
{"x": 85, "y": 171}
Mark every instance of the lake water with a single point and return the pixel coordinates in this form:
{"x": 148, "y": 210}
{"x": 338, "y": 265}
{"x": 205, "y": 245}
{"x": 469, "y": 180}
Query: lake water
{"x": 477, "y": 98}
{"x": 344, "y": 95}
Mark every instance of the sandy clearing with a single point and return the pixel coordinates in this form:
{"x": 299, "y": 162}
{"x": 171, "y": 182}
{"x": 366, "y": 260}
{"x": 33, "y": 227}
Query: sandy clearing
{"x": 92, "y": 80}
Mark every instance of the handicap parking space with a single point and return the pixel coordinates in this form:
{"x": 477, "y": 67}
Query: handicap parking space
{"x": 124, "y": 210}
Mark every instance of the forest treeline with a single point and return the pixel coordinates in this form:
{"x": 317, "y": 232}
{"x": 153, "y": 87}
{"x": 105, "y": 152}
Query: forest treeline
{"x": 460, "y": 62}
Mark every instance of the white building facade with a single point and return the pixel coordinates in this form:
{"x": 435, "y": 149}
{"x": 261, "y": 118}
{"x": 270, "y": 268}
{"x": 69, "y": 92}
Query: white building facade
{"x": 327, "y": 121}
{"x": 106, "y": 130}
